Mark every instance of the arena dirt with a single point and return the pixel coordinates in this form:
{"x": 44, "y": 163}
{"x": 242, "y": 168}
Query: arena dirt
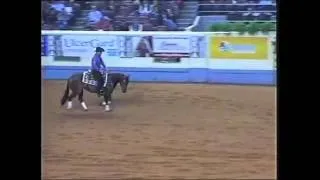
{"x": 162, "y": 131}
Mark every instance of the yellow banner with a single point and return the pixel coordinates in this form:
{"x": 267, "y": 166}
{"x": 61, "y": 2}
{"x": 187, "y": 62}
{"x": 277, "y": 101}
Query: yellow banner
{"x": 227, "y": 47}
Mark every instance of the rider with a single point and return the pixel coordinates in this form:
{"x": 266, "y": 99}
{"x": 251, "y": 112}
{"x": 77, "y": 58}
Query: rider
{"x": 96, "y": 69}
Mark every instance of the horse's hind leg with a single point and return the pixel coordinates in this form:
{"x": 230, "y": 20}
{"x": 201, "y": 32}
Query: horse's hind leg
{"x": 83, "y": 104}
{"x": 73, "y": 95}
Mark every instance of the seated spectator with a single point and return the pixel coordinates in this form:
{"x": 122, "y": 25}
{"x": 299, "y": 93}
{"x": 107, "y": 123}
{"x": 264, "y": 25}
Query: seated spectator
{"x": 145, "y": 9}
{"x": 104, "y": 24}
{"x": 58, "y": 5}
{"x": 75, "y": 8}
{"x": 94, "y": 15}
{"x": 135, "y": 26}
{"x": 68, "y": 8}
{"x": 63, "y": 19}
{"x": 171, "y": 15}
{"x": 154, "y": 13}
{"x": 170, "y": 24}
{"x": 51, "y": 18}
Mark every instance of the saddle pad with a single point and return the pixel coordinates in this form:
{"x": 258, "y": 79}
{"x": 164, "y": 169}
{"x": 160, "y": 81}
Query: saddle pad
{"x": 87, "y": 78}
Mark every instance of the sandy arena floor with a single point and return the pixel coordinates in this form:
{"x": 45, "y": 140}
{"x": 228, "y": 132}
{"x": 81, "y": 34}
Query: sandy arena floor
{"x": 162, "y": 131}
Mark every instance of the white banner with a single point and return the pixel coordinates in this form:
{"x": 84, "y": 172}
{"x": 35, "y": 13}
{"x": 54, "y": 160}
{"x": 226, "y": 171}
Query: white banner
{"x": 171, "y": 44}
{"x": 84, "y": 45}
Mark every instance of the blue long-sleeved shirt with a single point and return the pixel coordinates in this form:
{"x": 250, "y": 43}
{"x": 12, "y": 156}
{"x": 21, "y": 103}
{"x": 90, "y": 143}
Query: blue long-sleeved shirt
{"x": 97, "y": 62}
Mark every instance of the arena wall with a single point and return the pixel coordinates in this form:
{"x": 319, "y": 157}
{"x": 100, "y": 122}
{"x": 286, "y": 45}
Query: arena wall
{"x": 205, "y": 65}
{"x": 182, "y": 75}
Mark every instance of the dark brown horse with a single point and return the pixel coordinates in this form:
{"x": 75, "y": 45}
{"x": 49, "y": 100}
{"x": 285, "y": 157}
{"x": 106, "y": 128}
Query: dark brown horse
{"x": 76, "y": 85}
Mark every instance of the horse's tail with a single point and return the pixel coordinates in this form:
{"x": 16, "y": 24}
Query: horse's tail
{"x": 66, "y": 95}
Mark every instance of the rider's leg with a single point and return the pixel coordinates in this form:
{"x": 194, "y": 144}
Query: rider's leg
{"x": 100, "y": 83}
{"x": 98, "y": 77}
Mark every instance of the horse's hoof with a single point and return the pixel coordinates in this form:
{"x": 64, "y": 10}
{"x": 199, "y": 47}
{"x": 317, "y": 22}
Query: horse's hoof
{"x": 84, "y": 106}
{"x": 107, "y": 108}
{"x": 69, "y": 105}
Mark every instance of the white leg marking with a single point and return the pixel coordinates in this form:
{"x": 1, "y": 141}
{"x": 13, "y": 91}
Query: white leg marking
{"x": 107, "y": 108}
{"x": 103, "y": 103}
{"x": 109, "y": 102}
{"x": 83, "y": 104}
{"x": 69, "y": 105}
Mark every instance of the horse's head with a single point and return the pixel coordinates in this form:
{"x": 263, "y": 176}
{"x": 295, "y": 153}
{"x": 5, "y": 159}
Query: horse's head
{"x": 124, "y": 83}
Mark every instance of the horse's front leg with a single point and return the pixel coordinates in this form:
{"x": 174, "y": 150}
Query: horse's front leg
{"x": 107, "y": 105}
{"x": 109, "y": 99}
{"x": 104, "y": 102}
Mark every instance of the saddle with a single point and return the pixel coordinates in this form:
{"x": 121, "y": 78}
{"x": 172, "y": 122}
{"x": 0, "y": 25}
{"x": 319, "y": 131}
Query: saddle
{"x": 88, "y": 78}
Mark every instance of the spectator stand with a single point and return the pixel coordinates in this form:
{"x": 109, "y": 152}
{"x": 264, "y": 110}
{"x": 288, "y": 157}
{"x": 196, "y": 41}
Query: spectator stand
{"x": 114, "y": 15}
{"x": 59, "y": 14}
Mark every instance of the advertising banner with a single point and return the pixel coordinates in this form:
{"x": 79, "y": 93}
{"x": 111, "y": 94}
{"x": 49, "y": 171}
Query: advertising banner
{"x": 82, "y": 45}
{"x": 171, "y": 44}
{"x": 168, "y": 46}
{"x": 76, "y": 45}
{"x": 242, "y": 48}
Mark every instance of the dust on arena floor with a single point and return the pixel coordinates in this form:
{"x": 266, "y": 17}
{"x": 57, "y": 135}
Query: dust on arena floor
{"x": 162, "y": 131}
